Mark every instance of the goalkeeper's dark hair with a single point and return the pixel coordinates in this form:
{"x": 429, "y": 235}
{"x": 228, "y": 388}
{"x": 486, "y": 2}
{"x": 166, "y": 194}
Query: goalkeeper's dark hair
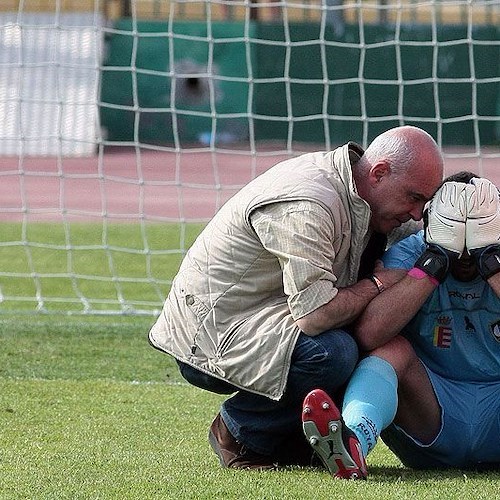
{"x": 464, "y": 176}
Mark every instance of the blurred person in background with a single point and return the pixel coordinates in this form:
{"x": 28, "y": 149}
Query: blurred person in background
{"x": 274, "y": 9}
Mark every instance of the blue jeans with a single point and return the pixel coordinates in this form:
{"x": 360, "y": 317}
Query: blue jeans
{"x": 325, "y": 361}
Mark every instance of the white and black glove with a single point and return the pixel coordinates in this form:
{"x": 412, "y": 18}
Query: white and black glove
{"x": 446, "y": 216}
{"x": 444, "y": 226}
{"x": 482, "y": 233}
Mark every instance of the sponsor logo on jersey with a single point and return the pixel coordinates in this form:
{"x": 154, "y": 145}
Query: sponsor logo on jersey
{"x": 464, "y": 295}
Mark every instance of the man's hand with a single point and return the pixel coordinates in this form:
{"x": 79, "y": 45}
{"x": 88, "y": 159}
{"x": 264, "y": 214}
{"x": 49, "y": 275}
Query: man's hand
{"x": 446, "y": 217}
{"x": 482, "y": 234}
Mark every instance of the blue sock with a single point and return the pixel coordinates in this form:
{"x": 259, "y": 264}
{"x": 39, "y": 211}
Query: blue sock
{"x": 371, "y": 400}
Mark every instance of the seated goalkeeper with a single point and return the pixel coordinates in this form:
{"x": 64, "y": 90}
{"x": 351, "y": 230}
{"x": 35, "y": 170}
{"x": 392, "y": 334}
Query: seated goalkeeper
{"x": 432, "y": 376}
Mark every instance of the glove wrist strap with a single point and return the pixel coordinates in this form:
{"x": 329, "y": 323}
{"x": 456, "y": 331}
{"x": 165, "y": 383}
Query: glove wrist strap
{"x": 488, "y": 261}
{"x": 434, "y": 262}
{"x": 418, "y": 274}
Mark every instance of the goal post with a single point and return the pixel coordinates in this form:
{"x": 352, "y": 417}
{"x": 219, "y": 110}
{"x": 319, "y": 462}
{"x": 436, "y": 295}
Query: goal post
{"x": 126, "y": 124}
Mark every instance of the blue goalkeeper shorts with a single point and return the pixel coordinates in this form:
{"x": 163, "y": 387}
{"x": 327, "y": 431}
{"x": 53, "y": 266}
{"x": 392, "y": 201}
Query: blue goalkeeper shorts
{"x": 470, "y": 428}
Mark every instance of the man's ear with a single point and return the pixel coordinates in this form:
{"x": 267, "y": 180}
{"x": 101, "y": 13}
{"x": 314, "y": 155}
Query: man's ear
{"x": 380, "y": 170}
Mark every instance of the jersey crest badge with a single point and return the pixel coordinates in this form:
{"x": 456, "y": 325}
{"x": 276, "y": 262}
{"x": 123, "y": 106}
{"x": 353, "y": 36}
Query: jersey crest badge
{"x": 495, "y": 330}
{"x": 443, "y": 333}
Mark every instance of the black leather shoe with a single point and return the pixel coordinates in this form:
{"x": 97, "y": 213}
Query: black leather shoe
{"x": 233, "y": 454}
{"x": 296, "y": 450}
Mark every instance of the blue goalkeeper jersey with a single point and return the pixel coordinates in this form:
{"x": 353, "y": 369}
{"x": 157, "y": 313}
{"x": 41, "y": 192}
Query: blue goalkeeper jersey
{"x": 456, "y": 333}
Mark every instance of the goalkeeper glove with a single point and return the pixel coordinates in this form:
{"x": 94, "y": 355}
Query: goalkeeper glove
{"x": 446, "y": 216}
{"x": 482, "y": 233}
{"x": 483, "y": 215}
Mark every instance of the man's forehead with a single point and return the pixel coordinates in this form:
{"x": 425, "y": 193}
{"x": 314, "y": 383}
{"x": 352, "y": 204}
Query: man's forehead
{"x": 420, "y": 195}
{"x": 424, "y": 191}
{"x": 423, "y": 185}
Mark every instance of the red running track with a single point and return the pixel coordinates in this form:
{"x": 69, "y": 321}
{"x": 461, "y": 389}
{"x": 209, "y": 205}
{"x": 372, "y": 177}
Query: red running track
{"x": 157, "y": 186}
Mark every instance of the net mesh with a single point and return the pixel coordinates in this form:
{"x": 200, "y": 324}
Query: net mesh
{"x": 126, "y": 125}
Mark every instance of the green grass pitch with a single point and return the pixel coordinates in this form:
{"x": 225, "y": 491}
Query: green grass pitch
{"x": 88, "y": 410}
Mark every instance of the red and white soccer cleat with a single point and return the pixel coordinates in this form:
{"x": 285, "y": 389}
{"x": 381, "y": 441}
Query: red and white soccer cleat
{"x": 335, "y": 444}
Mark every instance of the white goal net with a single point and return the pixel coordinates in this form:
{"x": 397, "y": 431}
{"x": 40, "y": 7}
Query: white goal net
{"x": 126, "y": 124}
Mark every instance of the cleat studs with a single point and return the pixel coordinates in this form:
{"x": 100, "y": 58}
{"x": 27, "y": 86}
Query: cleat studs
{"x": 325, "y": 406}
{"x": 313, "y": 440}
{"x": 333, "y": 427}
{"x": 307, "y": 410}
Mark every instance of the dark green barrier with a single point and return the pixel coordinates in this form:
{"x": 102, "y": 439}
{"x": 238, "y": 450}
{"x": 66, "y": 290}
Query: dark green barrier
{"x": 380, "y": 99}
{"x": 437, "y": 81}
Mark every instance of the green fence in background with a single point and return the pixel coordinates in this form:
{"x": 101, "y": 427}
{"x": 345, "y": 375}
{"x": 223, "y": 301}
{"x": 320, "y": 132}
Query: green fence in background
{"x": 154, "y": 72}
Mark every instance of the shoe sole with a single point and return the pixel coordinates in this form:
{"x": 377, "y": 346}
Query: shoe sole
{"x": 322, "y": 425}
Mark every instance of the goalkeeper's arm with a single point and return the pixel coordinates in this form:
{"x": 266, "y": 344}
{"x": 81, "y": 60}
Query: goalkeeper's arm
{"x": 445, "y": 237}
{"x": 494, "y": 282}
{"x": 375, "y": 327}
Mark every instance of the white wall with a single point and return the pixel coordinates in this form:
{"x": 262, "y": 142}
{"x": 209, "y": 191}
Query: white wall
{"x": 49, "y": 76}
